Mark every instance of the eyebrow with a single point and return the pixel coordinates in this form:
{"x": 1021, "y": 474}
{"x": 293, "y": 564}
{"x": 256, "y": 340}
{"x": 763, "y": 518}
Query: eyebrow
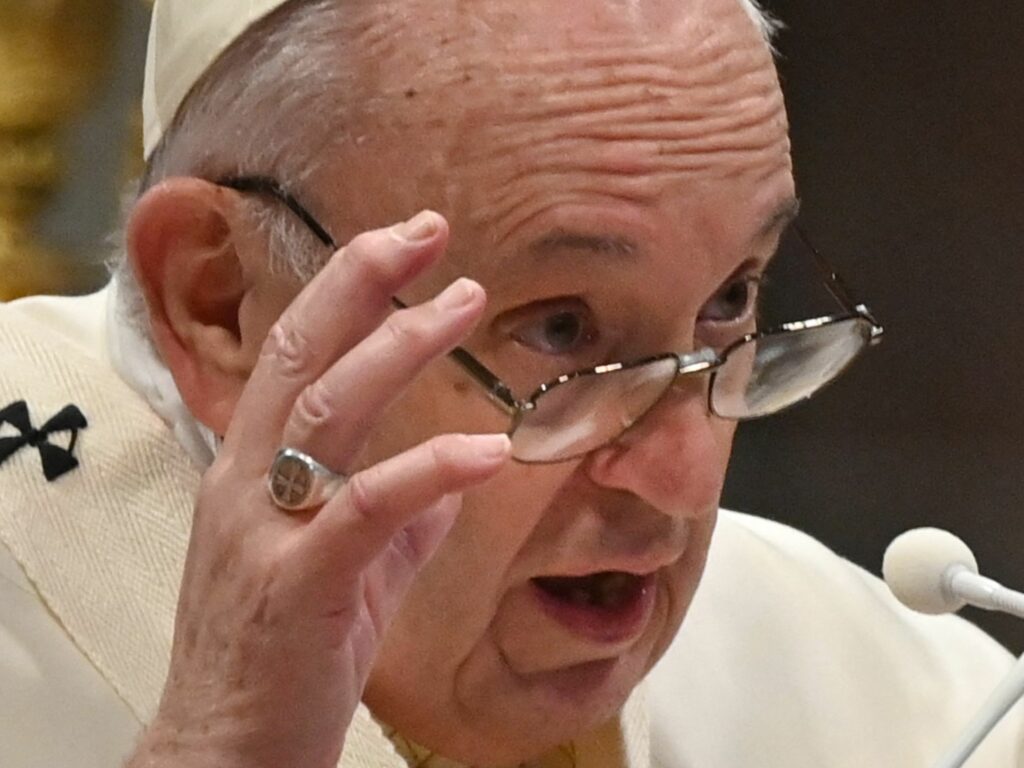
{"x": 617, "y": 245}
{"x": 602, "y": 245}
{"x": 783, "y": 216}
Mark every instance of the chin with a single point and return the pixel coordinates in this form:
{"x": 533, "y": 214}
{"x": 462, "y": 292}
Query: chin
{"x": 566, "y": 705}
{"x": 542, "y": 673}
{"x": 503, "y": 716}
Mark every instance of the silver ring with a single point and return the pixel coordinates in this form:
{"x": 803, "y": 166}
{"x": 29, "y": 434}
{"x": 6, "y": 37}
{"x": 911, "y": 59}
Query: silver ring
{"x": 298, "y": 482}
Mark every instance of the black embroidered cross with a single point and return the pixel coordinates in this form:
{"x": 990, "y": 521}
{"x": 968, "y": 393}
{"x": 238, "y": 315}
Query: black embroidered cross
{"x": 57, "y": 461}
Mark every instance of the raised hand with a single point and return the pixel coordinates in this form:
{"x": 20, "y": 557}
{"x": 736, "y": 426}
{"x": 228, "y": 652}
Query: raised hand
{"x": 280, "y": 614}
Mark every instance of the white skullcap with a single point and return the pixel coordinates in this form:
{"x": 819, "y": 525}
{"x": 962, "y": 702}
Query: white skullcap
{"x": 185, "y": 38}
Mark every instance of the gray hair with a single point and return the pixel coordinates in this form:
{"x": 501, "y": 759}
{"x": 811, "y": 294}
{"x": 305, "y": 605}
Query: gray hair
{"x": 239, "y": 120}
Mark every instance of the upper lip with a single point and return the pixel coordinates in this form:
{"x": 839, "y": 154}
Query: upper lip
{"x": 638, "y": 566}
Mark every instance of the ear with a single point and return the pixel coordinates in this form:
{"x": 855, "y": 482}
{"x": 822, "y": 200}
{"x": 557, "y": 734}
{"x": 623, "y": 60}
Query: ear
{"x": 184, "y": 240}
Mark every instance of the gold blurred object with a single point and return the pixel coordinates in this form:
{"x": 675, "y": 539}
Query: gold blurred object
{"x": 134, "y": 164}
{"x": 52, "y": 53}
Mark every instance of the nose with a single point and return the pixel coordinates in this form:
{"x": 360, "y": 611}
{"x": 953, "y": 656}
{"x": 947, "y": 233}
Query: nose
{"x": 674, "y": 458}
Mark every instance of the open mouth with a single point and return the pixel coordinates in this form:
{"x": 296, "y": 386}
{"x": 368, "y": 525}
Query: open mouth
{"x": 609, "y": 590}
{"x": 610, "y": 606}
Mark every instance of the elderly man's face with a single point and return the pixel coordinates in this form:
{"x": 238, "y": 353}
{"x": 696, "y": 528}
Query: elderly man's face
{"x": 613, "y": 173}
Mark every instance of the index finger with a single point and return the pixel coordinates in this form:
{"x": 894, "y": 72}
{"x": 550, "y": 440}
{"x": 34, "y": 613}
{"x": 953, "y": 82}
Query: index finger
{"x": 349, "y": 298}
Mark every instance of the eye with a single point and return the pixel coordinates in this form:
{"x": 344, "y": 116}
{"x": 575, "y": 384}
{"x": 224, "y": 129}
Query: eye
{"x": 734, "y": 302}
{"x": 563, "y": 329}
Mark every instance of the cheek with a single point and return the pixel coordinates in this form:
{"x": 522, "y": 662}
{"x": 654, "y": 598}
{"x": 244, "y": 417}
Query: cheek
{"x": 447, "y": 616}
{"x": 724, "y": 435}
{"x": 483, "y": 550}
{"x": 443, "y": 618}
{"x": 440, "y": 400}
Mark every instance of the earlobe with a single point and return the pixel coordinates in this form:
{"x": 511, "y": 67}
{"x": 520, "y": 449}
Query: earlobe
{"x": 183, "y": 240}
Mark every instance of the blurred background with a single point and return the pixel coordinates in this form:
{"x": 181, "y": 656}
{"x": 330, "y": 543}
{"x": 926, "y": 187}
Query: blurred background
{"x": 908, "y": 133}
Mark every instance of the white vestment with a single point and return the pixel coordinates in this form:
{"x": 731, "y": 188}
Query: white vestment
{"x": 790, "y": 657}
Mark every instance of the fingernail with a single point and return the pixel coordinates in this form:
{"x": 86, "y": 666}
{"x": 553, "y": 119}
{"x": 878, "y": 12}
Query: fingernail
{"x": 420, "y": 228}
{"x": 492, "y": 447}
{"x": 458, "y": 295}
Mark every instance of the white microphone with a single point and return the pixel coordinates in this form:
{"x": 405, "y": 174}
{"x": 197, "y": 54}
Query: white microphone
{"x": 932, "y": 571}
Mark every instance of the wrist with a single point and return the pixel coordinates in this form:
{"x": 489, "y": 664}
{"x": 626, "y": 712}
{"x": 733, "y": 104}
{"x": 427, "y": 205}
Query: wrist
{"x": 171, "y": 745}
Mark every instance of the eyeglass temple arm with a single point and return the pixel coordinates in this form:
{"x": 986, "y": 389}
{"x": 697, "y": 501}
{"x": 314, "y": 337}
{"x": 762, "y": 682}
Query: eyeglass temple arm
{"x": 833, "y": 282}
{"x": 495, "y": 387}
{"x": 265, "y": 185}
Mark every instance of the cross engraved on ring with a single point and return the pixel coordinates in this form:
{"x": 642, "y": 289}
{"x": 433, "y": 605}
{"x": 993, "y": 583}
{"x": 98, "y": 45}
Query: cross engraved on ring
{"x": 292, "y": 480}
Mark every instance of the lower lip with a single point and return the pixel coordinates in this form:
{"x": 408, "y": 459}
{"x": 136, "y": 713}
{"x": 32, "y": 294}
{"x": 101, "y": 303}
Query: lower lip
{"x": 603, "y": 625}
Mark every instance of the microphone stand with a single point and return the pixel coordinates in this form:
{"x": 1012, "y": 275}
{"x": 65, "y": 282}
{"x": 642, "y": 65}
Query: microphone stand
{"x": 997, "y": 705}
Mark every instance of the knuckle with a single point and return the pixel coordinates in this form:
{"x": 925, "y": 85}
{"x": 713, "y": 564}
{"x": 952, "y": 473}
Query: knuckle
{"x": 362, "y": 496}
{"x": 368, "y": 254}
{"x": 406, "y": 329}
{"x": 447, "y": 453}
{"x": 314, "y": 407}
{"x": 290, "y": 348}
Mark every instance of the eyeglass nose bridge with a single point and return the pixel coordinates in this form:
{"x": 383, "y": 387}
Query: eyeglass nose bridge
{"x": 702, "y": 361}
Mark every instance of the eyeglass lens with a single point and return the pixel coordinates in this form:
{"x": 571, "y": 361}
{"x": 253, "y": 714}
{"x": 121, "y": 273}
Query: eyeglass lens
{"x": 585, "y": 412}
{"x": 776, "y": 371}
{"x": 759, "y": 378}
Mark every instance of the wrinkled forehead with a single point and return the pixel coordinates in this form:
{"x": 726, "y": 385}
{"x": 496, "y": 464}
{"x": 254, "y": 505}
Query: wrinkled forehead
{"x": 475, "y": 31}
{"x": 482, "y": 54}
{"x": 497, "y": 104}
